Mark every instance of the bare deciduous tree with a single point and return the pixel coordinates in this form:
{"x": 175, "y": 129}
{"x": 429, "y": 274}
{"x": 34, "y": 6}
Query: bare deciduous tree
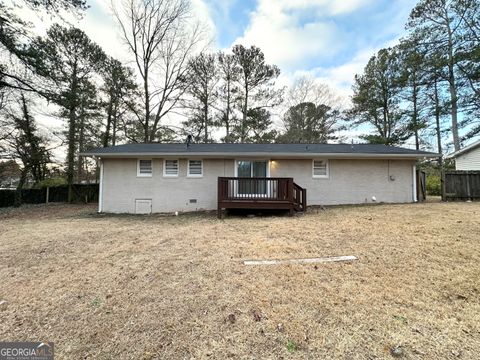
{"x": 311, "y": 112}
{"x": 160, "y": 37}
{"x": 308, "y": 89}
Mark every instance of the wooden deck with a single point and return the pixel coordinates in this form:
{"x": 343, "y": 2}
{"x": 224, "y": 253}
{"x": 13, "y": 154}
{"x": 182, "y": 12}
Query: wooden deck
{"x": 260, "y": 193}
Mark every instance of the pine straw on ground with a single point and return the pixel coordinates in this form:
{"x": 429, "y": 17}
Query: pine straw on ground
{"x": 148, "y": 287}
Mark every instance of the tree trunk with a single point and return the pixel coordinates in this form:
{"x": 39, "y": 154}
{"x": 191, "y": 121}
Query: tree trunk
{"x": 114, "y": 129}
{"x": 72, "y": 118}
{"x": 415, "y": 116}
{"x": 227, "y": 114}
{"x": 106, "y": 137}
{"x": 437, "y": 125}
{"x": 71, "y": 151}
{"x": 33, "y": 161}
{"x": 244, "y": 116}
{"x": 205, "y": 114}
{"x": 18, "y": 192}
{"x": 147, "y": 106}
{"x": 81, "y": 147}
{"x": 453, "y": 90}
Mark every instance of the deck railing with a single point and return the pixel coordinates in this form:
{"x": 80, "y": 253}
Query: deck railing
{"x": 299, "y": 197}
{"x": 261, "y": 192}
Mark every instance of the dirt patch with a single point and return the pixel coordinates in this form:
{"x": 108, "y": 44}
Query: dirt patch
{"x": 152, "y": 287}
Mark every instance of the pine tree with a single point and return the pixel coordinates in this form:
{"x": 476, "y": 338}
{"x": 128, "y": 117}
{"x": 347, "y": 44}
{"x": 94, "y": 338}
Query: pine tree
{"x": 120, "y": 91}
{"x": 67, "y": 60}
{"x": 440, "y": 24}
{"x": 413, "y": 82}
{"x": 376, "y": 100}
{"x": 307, "y": 123}
{"x": 202, "y": 96}
{"x": 256, "y": 82}
{"x": 227, "y": 92}
{"x": 26, "y": 145}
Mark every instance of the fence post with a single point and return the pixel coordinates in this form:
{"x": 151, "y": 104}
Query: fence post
{"x": 469, "y": 195}
{"x": 47, "y": 195}
{"x": 442, "y": 184}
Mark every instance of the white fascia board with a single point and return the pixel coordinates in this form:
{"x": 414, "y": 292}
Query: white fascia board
{"x": 464, "y": 150}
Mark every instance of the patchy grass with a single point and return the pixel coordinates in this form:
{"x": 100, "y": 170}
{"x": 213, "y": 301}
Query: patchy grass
{"x": 136, "y": 287}
{"x": 291, "y": 346}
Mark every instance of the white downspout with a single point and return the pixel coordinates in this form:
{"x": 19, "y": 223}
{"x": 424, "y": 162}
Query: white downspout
{"x": 100, "y": 189}
{"x": 415, "y": 183}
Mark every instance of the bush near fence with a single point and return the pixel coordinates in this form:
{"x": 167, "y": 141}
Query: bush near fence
{"x": 81, "y": 193}
{"x": 434, "y": 185}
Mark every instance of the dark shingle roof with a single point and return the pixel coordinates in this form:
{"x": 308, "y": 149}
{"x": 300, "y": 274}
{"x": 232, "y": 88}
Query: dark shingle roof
{"x": 254, "y": 149}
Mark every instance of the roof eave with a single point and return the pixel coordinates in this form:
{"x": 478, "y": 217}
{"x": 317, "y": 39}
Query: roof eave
{"x": 466, "y": 149}
{"x": 288, "y": 155}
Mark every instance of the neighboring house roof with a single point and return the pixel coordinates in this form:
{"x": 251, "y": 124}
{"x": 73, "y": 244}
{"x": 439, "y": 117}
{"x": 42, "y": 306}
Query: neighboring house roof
{"x": 274, "y": 150}
{"x": 466, "y": 149}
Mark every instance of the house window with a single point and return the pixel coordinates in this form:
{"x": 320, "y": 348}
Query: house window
{"x": 252, "y": 169}
{"x": 320, "y": 168}
{"x": 195, "y": 168}
{"x": 170, "y": 168}
{"x": 248, "y": 168}
{"x": 144, "y": 168}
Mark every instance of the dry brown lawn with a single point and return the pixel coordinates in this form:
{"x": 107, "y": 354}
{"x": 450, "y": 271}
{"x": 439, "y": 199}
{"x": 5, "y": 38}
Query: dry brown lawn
{"x": 148, "y": 287}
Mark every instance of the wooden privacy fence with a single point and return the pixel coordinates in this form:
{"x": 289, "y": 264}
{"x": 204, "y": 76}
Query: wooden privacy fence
{"x": 461, "y": 185}
{"x": 81, "y": 193}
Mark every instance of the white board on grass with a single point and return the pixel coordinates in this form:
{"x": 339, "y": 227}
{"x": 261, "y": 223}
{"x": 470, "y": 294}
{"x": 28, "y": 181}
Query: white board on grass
{"x": 301, "y": 261}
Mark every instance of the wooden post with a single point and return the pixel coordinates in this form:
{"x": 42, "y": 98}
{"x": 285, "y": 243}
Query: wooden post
{"x": 47, "y": 195}
{"x": 219, "y": 197}
{"x": 290, "y": 189}
{"x": 442, "y": 183}
{"x": 469, "y": 194}
{"x": 304, "y": 199}
{"x": 291, "y": 196}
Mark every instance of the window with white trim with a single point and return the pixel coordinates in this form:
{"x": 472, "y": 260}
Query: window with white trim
{"x": 320, "y": 168}
{"x": 195, "y": 168}
{"x": 144, "y": 167}
{"x": 170, "y": 168}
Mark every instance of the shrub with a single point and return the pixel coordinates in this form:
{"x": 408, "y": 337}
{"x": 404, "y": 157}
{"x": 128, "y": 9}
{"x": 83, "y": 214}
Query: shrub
{"x": 56, "y": 181}
{"x": 434, "y": 185}
{"x": 291, "y": 346}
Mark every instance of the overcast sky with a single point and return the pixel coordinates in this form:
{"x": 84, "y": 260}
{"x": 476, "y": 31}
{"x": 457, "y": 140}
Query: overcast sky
{"x": 329, "y": 39}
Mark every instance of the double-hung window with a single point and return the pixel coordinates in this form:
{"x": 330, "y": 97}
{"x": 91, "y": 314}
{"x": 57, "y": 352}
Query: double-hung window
{"x": 320, "y": 168}
{"x": 170, "y": 168}
{"x": 144, "y": 168}
{"x": 195, "y": 168}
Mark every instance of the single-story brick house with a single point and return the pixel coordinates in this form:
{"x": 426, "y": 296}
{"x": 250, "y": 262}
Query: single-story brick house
{"x": 151, "y": 178}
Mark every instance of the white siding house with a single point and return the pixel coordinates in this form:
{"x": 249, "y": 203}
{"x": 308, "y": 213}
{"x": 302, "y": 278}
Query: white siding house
{"x": 468, "y": 158}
